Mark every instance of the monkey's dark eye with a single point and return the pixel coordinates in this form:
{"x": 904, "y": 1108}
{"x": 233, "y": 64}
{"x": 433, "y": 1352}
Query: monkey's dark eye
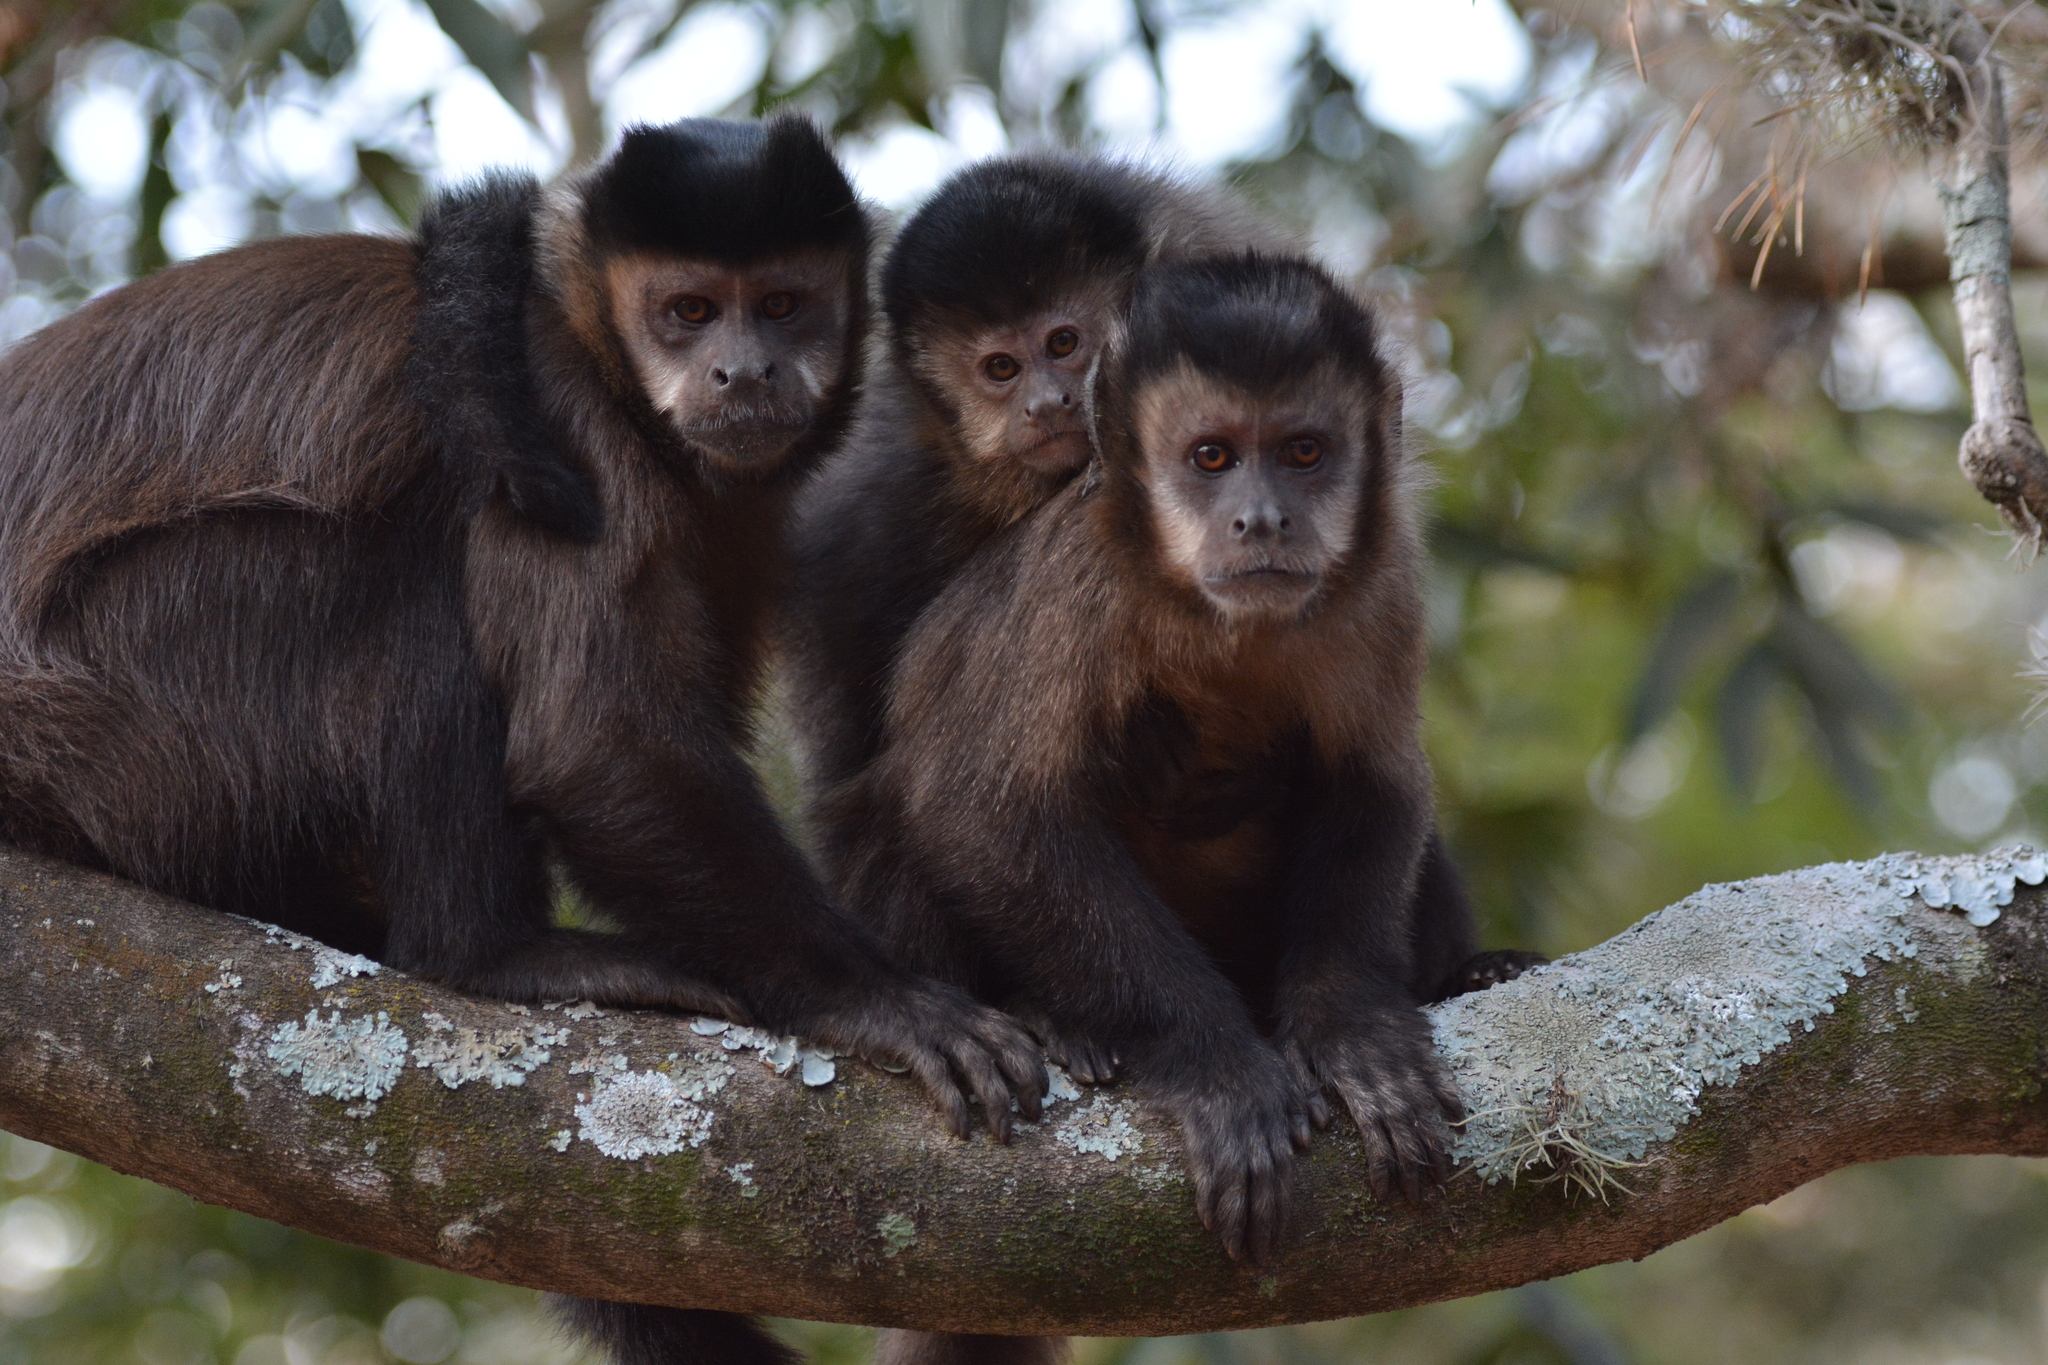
{"x": 1001, "y": 368}
{"x": 778, "y": 306}
{"x": 694, "y": 309}
{"x": 1212, "y": 458}
{"x": 1062, "y": 342}
{"x": 1303, "y": 452}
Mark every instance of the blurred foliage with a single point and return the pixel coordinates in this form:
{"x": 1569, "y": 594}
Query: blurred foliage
{"x": 1709, "y": 598}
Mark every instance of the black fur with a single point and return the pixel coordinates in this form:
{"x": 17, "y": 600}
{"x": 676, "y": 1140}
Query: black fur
{"x": 638, "y": 1334}
{"x": 695, "y": 188}
{"x": 268, "y": 642}
{"x": 1005, "y": 236}
{"x": 468, "y": 365}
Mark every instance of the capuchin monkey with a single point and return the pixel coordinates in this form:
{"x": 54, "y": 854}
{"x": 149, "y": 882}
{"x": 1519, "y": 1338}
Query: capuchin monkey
{"x": 350, "y": 583}
{"x": 998, "y": 293}
{"x": 1150, "y": 769}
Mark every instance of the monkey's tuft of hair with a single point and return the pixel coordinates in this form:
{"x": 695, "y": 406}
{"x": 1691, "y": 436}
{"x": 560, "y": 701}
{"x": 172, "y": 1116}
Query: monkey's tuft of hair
{"x": 1254, "y": 321}
{"x": 1003, "y": 237}
{"x": 723, "y": 190}
{"x": 468, "y": 371}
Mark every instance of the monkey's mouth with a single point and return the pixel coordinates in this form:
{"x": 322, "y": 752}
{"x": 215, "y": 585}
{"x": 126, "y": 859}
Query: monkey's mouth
{"x": 749, "y": 436}
{"x": 1058, "y": 452}
{"x": 1261, "y": 588}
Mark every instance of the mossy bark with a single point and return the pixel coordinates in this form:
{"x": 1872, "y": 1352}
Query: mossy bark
{"x": 849, "y": 1202}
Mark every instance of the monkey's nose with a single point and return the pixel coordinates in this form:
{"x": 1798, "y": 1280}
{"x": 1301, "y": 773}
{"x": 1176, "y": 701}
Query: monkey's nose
{"x": 725, "y": 377}
{"x": 1260, "y": 523}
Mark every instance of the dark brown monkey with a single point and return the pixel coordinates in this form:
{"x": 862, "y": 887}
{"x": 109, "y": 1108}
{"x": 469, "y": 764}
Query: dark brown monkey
{"x": 998, "y": 293}
{"x": 347, "y": 582}
{"x": 1151, "y": 761}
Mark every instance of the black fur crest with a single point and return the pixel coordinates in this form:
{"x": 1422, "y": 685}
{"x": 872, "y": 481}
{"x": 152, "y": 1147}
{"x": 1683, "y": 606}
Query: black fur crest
{"x": 1252, "y": 320}
{"x": 1008, "y": 235}
{"x": 468, "y": 369}
{"x": 724, "y": 189}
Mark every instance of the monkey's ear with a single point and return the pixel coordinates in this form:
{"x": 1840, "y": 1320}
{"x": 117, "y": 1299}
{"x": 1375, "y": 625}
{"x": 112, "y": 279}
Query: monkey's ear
{"x": 554, "y": 494}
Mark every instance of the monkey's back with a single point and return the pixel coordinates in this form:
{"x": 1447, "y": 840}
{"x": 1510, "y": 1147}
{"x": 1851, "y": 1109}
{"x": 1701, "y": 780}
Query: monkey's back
{"x": 267, "y": 376}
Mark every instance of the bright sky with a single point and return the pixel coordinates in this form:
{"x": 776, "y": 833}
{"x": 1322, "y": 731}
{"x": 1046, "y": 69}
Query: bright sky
{"x": 1415, "y": 59}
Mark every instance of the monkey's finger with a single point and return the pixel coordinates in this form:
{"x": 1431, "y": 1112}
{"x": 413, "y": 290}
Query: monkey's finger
{"x": 1379, "y": 1153}
{"x": 1300, "y": 1130}
{"x": 937, "y": 1078}
{"x": 1021, "y": 1067}
{"x": 1230, "y": 1212}
{"x": 985, "y": 1078}
{"x": 1268, "y": 1212}
{"x": 1205, "y": 1187}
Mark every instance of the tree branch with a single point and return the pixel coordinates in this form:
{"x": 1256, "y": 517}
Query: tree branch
{"x": 1719, "y": 1053}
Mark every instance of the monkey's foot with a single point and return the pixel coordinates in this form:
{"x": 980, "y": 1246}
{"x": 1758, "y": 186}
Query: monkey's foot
{"x": 1491, "y": 968}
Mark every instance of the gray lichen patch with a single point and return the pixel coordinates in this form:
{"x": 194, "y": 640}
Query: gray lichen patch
{"x": 1104, "y": 1127}
{"x": 651, "y": 1113}
{"x": 1608, "y": 1051}
{"x": 642, "y": 1114}
{"x": 897, "y": 1231}
{"x": 780, "y": 1052}
{"x": 500, "y": 1056}
{"x": 331, "y": 965}
{"x": 1978, "y": 886}
{"x": 350, "y": 1059}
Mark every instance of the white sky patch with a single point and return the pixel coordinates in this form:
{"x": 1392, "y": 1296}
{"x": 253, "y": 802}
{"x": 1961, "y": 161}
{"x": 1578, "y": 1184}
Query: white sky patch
{"x": 1883, "y": 358}
{"x": 476, "y": 131}
{"x": 103, "y": 140}
{"x": 1226, "y": 82}
{"x": 713, "y": 57}
{"x": 900, "y": 165}
{"x": 1415, "y": 61}
{"x": 205, "y": 220}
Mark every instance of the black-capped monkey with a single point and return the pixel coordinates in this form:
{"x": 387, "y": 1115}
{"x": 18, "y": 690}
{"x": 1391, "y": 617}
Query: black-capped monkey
{"x": 348, "y": 582}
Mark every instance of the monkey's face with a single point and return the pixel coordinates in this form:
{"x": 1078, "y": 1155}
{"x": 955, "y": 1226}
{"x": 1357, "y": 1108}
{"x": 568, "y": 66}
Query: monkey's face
{"x": 1254, "y": 496}
{"x": 742, "y": 359}
{"x": 1021, "y": 390}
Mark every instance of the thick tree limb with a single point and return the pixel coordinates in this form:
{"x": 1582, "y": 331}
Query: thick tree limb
{"x": 1726, "y": 1049}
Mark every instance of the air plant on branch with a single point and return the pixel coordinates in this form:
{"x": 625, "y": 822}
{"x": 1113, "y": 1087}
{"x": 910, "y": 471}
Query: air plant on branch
{"x": 1930, "y": 77}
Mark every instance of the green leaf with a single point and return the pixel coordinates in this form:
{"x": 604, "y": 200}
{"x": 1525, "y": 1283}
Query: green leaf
{"x": 1695, "y": 623}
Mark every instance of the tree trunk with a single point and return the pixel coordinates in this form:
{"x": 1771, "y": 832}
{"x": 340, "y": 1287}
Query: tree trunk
{"x": 1721, "y": 1052}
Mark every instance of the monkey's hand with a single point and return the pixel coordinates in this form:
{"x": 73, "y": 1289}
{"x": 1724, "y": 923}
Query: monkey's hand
{"x": 1087, "y": 1061}
{"x": 1491, "y": 968}
{"x": 1383, "y": 1065}
{"x": 1242, "y": 1122}
{"x": 950, "y": 1042}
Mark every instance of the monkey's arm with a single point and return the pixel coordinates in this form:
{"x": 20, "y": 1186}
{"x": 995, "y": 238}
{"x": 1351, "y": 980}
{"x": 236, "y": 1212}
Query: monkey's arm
{"x": 1346, "y": 1012}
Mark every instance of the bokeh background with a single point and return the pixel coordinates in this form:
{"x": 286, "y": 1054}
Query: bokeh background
{"x": 1709, "y": 598}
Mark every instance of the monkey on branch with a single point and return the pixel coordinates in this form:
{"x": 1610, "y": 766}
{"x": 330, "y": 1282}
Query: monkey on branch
{"x": 354, "y": 584}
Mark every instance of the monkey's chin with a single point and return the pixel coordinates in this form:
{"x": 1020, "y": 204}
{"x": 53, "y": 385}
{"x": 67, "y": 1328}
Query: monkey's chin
{"x": 1263, "y": 594}
{"x": 1058, "y": 454}
{"x": 754, "y": 449}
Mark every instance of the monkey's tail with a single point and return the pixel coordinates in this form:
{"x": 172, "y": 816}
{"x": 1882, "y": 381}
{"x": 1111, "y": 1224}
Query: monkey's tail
{"x": 895, "y": 1346}
{"x": 640, "y": 1334}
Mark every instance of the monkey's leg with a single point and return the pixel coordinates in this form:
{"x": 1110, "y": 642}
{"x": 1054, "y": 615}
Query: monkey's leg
{"x": 641, "y": 1334}
{"x": 465, "y": 889}
{"x": 664, "y": 825}
{"x": 1347, "y": 1013}
{"x": 894, "y": 1346}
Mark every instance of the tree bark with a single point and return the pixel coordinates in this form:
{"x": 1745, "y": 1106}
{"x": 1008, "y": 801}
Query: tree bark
{"x": 1744, "y": 1041}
